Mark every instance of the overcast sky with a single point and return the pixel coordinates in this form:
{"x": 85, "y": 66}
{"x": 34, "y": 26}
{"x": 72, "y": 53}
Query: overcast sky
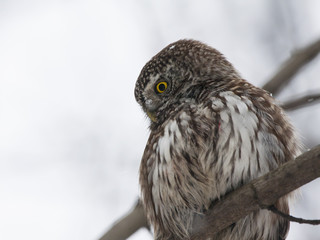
{"x": 71, "y": 133}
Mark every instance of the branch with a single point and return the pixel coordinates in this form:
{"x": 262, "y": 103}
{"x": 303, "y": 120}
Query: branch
{"x": 301, "y": 102}
{"x": 291, "y": 67}
{"x": 128, "y": 225}
{"x": 259, "y": 193}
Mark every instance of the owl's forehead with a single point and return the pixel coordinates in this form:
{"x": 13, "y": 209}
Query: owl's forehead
{"x": 155, "y": 69}
{"x": 157, "y": 66}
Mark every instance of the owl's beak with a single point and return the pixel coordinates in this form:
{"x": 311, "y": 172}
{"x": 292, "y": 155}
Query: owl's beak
{"x": 152, "y": 116}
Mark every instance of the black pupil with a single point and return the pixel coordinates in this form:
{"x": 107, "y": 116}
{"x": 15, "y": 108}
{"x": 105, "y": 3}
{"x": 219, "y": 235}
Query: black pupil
{"x": 162, "y": 87}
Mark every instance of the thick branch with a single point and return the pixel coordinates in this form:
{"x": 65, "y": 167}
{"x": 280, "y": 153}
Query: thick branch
{"x": 301, "y": 102}
{"x": 291, "y": 67}
{"x": 259, "y": 193}
{"x": 127, "y": 225}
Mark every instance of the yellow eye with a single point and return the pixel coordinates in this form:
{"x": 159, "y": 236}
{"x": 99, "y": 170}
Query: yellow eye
{"x": 161, "y": 87}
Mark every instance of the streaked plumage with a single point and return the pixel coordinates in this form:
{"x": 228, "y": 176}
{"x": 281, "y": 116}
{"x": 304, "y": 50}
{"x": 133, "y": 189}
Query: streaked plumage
{"x": 211, "y": 132}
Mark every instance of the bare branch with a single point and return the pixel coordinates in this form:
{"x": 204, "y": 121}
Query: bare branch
{"x": 128, "y": 225}
{"x": 301, "y": 102}
{"x": 291, "y": 67}
{"x": 259, "y": 193}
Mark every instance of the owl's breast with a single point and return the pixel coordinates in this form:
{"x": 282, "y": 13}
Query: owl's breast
{"x": 174, "y": 185}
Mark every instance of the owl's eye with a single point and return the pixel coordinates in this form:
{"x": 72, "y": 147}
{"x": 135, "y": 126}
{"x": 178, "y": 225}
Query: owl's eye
{"x": 161, "y": 87}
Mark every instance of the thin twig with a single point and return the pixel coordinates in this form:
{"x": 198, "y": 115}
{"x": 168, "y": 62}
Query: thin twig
{"x": 128, "y": 225}
{"x": 291, "y": 67}
{"x": 301, "y": 102}
{"x": 273, "y": 209}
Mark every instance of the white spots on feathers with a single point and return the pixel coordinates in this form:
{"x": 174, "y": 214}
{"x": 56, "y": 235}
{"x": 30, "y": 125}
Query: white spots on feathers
{"x": 171, "y": 131}
{"x": 154, "y": 78}
{"x": 149, "y": 102}
{"x": 185, "y": 118}
{"x": 216, "y": 103}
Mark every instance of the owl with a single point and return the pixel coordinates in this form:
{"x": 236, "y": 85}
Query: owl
{"x": 210, "y": 133}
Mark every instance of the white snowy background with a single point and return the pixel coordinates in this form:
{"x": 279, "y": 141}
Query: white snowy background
{"x": 71, "y": 133}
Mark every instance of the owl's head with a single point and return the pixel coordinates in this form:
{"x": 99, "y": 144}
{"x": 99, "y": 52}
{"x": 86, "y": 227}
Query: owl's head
{"x": 181, "y": 70}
